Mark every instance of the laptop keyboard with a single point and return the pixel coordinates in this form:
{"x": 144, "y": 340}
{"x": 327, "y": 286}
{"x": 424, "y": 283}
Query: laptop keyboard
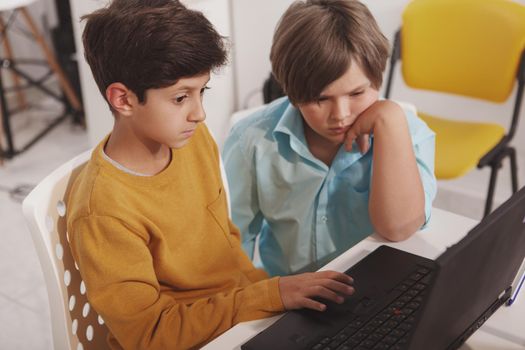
{"x": 390, "y": 327}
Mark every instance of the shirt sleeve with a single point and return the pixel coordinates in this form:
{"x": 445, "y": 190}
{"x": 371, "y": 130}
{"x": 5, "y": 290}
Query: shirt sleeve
{"x": 118, "y": 270}
{"x": 242, "y": 181}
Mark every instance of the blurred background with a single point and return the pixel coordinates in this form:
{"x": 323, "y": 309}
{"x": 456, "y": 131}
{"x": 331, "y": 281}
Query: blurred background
{"x": 249, "y": 25}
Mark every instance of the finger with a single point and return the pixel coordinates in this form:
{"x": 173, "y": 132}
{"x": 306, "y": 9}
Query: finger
{"x": 325, "y": 293}
{"x": 340, "y": 288}
{"x": 334, "y": 275}
{"x": 363, "y": 141}
{"x": 349, "y": 139}
{"x": 308, "y": 303}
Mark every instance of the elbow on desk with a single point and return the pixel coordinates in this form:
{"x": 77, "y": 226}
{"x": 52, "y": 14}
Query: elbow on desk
{"x": 396, "y": 231}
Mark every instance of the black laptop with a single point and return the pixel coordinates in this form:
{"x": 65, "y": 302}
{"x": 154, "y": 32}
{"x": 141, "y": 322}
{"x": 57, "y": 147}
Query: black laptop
{"x": 404, "y": 301}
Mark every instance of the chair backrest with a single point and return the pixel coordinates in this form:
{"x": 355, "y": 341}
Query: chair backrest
{"x": 75, "y": 325}
{"x": 466, "y": 47}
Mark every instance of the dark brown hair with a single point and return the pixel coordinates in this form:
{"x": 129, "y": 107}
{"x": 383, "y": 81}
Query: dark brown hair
{"x": 316, "y": 41}
{"x": 149, "y": 44}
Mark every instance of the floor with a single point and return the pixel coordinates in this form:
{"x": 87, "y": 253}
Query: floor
{"x": 24, "y": 311}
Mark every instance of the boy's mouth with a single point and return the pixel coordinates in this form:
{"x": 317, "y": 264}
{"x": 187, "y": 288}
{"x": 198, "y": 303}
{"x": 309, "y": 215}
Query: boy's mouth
{"x": 339, "y": 130}
{"x": 188, "y": 132}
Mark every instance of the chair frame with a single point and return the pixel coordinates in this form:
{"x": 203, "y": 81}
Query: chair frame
{"x": 47, "y": 225}
{"x": 494, "y": 158}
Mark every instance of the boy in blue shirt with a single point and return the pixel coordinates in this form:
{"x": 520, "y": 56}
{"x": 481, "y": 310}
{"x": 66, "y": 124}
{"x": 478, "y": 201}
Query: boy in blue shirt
{"x": 317, "y": 171}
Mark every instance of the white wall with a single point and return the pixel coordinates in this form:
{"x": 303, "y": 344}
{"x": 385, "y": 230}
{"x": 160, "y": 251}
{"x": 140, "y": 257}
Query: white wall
{"x": 254, "y": 22}
{"x": 99, "y": 120}
{"x": 218, "y": 102}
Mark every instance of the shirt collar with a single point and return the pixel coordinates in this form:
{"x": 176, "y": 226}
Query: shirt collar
{"x": 291, "y": 124}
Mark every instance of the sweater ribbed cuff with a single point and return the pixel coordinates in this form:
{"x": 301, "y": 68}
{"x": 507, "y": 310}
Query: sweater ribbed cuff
{"x": 274, "y": 294}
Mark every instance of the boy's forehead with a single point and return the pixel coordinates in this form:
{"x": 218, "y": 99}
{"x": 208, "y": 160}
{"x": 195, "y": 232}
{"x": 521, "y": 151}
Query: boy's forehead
{"x": 353, "y": 78}
{"x": 193, "y": 82}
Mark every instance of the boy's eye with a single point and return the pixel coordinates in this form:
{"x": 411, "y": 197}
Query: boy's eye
{"x": 180, "y": 99}
{"x": 357, "y": 93}
{"x": 322, "y": 99}
{"x": 204, "y": 89}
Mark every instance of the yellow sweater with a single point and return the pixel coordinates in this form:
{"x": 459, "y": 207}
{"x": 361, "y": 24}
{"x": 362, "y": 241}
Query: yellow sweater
{"x": 161, "y": 260}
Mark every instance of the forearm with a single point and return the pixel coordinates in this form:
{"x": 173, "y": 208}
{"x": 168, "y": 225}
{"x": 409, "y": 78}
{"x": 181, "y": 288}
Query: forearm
{"x": 397, "y": 201}
{"x": 168, "y": 323}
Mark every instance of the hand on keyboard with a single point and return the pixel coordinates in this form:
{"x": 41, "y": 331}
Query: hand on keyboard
{"x": 304, "y": 290}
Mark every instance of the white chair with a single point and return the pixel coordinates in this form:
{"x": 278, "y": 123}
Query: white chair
{"x": 75, "y": 325}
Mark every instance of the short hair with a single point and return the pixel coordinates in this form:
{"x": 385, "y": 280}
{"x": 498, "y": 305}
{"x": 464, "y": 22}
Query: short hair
{"x": 316, "y": 41}
{"x": 149, "y": 44}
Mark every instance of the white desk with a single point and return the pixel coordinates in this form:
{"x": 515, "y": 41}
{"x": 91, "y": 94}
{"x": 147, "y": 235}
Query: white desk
{"x": 504, "y": 330}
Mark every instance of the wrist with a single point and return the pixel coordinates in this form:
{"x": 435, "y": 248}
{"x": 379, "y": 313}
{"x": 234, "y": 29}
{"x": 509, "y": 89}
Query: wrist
{"x": 390, "y": 117}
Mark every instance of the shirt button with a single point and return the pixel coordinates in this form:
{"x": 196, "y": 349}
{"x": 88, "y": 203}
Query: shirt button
{"x": 324, "y": 219}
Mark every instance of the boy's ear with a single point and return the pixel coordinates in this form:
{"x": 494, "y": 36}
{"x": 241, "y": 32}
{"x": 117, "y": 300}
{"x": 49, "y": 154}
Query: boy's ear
{"x": 120, "y": 98}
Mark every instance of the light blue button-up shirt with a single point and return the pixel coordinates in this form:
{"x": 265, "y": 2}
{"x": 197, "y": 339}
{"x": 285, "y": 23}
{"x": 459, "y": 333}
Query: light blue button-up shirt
{"x": 303, "y": 210}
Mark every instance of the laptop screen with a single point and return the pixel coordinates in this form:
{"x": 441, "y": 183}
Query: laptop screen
{"x": 473, "y": 276}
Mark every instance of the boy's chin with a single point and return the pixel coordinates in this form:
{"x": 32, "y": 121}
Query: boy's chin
{"x": 335, "y": 140}
{"x": 178, "y": 144}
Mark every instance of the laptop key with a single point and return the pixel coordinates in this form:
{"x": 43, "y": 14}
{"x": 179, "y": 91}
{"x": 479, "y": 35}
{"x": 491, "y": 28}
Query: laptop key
{"x": 369, "y": 328}
{"x": 402, "y": 287}
{"x": 389, "y": 340}
{"x": 356, "y": 323}
{"x": 368, "y": 343}
{"x": 384, "y": 330}
{"x": 423, "y": 270}
{"x": 405, "y": 298}
{"x": 344, "y": 347}
{"x": 398, "y": 304}
{"x": 416, "y": 276}
{"x": 376, "y": 337}
{"x": 334, "y": 344}
{"x": 398, "y": 333}
{"x": 413, "y": 305}
{"x": 405, "y": 326}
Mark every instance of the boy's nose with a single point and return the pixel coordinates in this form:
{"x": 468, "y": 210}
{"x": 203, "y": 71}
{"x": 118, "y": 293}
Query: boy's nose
{"x": 341, "y": 109}
{"x": 198, "y": 114}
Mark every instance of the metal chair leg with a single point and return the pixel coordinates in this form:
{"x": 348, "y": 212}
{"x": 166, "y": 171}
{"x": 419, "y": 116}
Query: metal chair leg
{"x": 6, "y": 124}
{"x": 492, "y": 185}
{"x": 50, "y": 57}
{"x": 513, "y": 169}
{"x": 22, "y": 103}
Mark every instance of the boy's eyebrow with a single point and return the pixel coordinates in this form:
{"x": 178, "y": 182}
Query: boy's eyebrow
{"x": 187, "y": 87}
{"x": 362, "y": 86}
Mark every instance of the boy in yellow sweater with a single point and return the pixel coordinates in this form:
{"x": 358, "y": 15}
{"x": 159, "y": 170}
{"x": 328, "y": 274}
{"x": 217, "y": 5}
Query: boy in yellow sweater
{"x": 148, "y": 219}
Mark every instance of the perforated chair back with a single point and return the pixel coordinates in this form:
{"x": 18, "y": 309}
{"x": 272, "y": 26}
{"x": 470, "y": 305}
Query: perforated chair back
{"x": 75, "y": 325}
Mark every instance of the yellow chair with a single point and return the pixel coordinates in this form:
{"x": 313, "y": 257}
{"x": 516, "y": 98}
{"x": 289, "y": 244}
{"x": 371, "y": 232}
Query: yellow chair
{"x": 473, "y": 48}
